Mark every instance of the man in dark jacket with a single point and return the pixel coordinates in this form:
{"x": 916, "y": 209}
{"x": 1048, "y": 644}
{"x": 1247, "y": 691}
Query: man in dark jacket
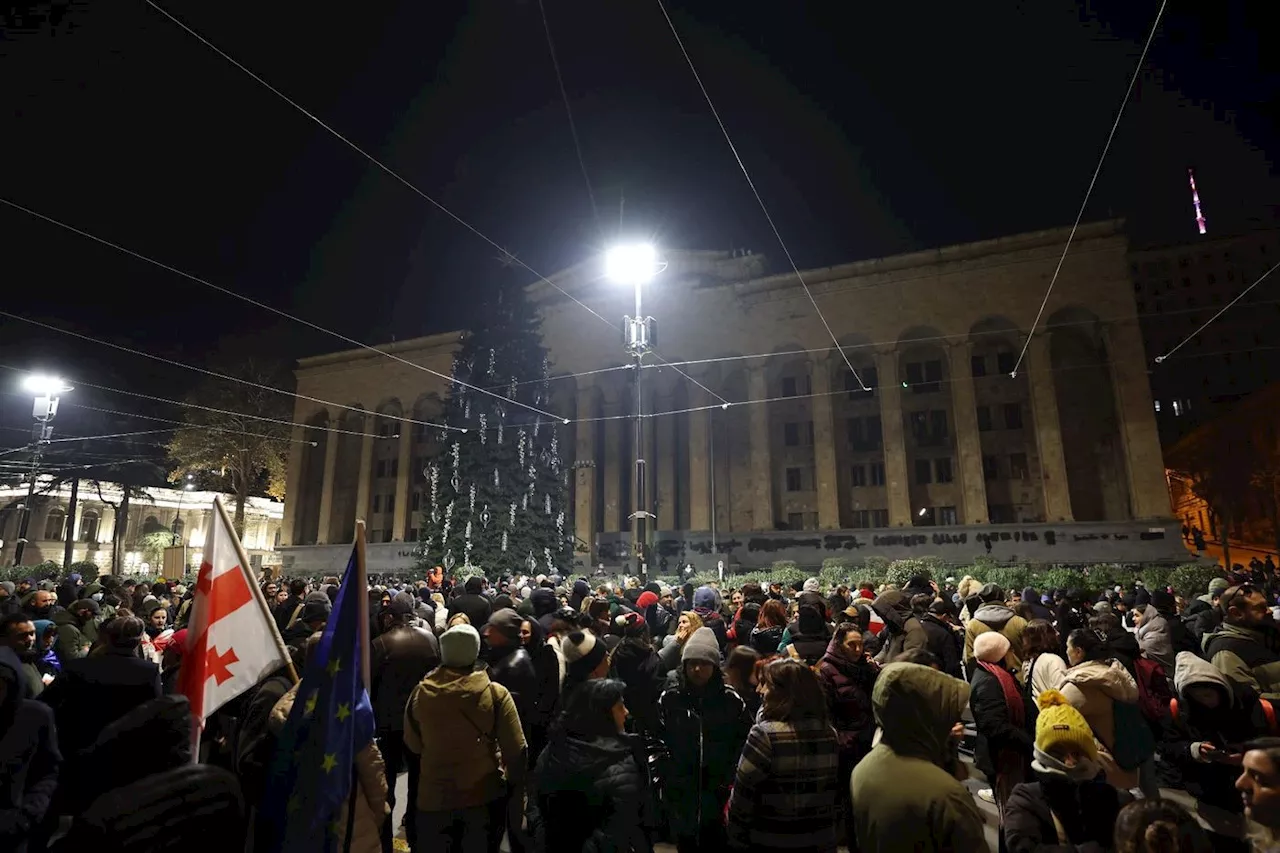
{"x": 509, "y": 663}
{"x": 902, "y": 630}
{"x": 97, "y": 690}
{"x": 1031, "y": 599}
{"x": 473, "y": 603}
{"x": 1245, "y": 647}
{"x": 944, "y": 642}
{"x": 402, "y": 656}
{"x": 291, "y": 607}
{"x": 704, "y": 725}
{"x": 29, "y": 757}
{"x": 994, "y": 615}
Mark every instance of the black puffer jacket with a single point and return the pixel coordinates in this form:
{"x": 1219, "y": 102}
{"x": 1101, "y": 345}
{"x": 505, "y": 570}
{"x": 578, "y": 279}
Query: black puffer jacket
{"x": 401, "y": 657}
{"x": 944, "y": 642}
{"x": 1087, "y": 810}
{"x": 637, "y": 666}
{"x": 592, "y": 794}
{"x": 28, "y": 755}
{"x": 766, "y": 640}
{"x": 996, "y": 729}
{"x": 512, "y": 667}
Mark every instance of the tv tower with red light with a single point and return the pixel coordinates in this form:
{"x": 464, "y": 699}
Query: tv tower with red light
{"x": 1195, "y": 200}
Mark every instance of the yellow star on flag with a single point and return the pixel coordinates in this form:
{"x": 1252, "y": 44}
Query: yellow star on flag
{"x": 294, "y": 804}
{"x": 334, "y": 666}
{"x": 311, "y": 703}
{"x": 330, "y": 761}
{"x": 344, "y": 711}
{"x": 335, "y": 826}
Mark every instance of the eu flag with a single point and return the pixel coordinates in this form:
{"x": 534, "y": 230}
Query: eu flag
{"x": 331, "y": 721}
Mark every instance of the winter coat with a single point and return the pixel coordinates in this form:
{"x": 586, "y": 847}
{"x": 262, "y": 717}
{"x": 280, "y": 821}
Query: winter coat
{"x": 669, "y": 656}
{"x": 512, "y": 667}
{"x": 902, "y": 798}
{"x": 477, "y": 607}
{"x": 1087, "y": 811}
{"x": 1093, "y": 688}
{"x": 848, "y": 685}
{"x": 400, "y": 658}
{"x": 944, "y": 642}
{"x": 29, "y": 757}
{"x": 902, "y": 630}
{"x": 713, "y": 620}
{"x": 71, "y": 643}
{"x": 996, "y": 730}
{"x": 767, "y": 641}
{"x": 786, "y": 789}
{"x": 1155, "y": 637}
{"x": 1031, "y": 599}
{"x": 96, "y": 690}
{"x": 1043, "y": 672}
{"x": 1246, "y": 656}
{"x": 703, "y": 730}
{"x": 371, "y": 809}
{"x": 996, "y": 617}
{"x": 637, "y": 666}
{"x": 465, "y": 729}
{"x": 1201, "y": 618}
{"x": 592, "y": 794}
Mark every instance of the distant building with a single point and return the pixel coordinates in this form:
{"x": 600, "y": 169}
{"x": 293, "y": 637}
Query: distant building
{"x": 1176, "y": 288}
{"x": 93, "y": 525}
{"x": 947, "y": 454}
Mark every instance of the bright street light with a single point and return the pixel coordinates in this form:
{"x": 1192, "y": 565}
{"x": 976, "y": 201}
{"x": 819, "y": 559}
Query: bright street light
{"x": 633, "y": 264}
{"x": 45, "y": 385}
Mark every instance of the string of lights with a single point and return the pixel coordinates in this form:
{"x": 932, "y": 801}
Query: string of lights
{"x": 1142, "y": 59}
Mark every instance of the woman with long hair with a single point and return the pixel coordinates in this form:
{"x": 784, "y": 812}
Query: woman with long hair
{"x": 669, "y": 657}
{"x": 591, "y": 779}
{"x": 785, "y": 791}
{"x": 767, "y": 635}
{"x": 741, "y": 673}
{"x": 848, "y": 675}
{"x": 1159, "y": 826}
{"x": 1042, "y": 664}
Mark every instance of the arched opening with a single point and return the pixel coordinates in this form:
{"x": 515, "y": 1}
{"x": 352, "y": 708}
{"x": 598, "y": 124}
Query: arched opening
{"x": 89, "y": 522}
{"x": 928, "y": 425}
{"x": 1097, "y": 479}
{"x": 859, "y": 442}
{"x": 307, "y": 521}
{"x": 55, "y": 524}
{"x": 1010, "y": 455}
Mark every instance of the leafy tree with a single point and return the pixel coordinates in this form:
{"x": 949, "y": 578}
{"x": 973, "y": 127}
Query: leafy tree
{"x": 228, "y": 442}
{"x": 496, "y": 495}
{"x": 1219, "y": 473}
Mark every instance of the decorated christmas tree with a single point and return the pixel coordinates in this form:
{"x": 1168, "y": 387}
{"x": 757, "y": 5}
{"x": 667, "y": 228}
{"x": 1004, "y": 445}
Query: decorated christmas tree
{"x": 496, "y": 497}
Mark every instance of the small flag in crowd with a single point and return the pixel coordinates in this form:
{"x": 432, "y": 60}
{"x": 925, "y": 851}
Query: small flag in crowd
{"x": 331, "y": 721}
{"x": 231, "y": 643}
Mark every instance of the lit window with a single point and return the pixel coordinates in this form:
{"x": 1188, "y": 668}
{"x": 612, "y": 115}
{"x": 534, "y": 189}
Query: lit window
{"x": 1177, "y": 409}
{"x": 1157, "y": 405}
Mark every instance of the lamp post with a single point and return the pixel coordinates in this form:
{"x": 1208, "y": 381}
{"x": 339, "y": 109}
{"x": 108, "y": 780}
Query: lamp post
{"x": 186, "y": 487}
{"x": 46, "y": 389}
{"x": 636, "y": 265}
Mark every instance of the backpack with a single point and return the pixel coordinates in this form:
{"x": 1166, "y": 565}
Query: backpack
{"x": 1154, "y": 694}
{"x": 1030, "y": 700}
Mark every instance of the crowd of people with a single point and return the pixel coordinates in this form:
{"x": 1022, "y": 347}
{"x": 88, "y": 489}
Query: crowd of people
{"x": 566, "y": 714}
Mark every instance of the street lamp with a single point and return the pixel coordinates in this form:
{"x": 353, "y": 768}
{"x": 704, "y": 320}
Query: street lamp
{"x": 45, "y": 388}
{"x": 636, "y": 265}
{"x": 188, "y": 486}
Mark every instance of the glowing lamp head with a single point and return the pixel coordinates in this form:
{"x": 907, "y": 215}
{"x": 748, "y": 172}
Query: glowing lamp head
{"x": 635, "y": 264}
{"x": 45, "y": 385}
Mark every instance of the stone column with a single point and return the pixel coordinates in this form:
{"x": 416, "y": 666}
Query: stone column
{"x": 400, "y": 518}
{"x": 326, "y": 490}
{"x": 699, "y": 461}
{"x": 74, "y": 521}
{"x": 365, "y": 483}
{"x": 664, "y": 430}
{"x": 1148, "y": 490}
{"x": 612, "y": 467}
{"x": 1044, "y": 405}
{"x": 293, "y": 483}
{"x": 762, "y": 517}
{"x": 585, "y": 462}
{"x": 824, "y": 445}
{"x": 895, "y": 448}
{"x": 964, "y": 411}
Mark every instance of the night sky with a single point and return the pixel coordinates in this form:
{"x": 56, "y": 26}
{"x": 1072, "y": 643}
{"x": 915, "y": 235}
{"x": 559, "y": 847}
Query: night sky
{"x": 870, "y": 129}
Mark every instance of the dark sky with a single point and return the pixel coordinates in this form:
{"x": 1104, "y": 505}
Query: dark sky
{"x": 870, "y": 129}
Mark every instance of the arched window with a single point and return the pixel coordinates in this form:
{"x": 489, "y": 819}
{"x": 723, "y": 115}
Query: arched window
{"x": 89, "y": 526}
{"x": 151, "y": 524}
{"x": 55, "y": 523}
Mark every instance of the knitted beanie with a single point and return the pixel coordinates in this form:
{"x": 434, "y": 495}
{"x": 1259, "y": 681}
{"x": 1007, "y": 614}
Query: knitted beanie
{"x": 1217, "y": 586}
{"x": 1059, "y": 724}
{"x": 702, "y": 646}
{"x": 582, "y": 654}
{"x": 459, "y": 647}
{"x": 646, "y": 598}
{"x": 812, "y": 585}
{"x": 990, "y": 646}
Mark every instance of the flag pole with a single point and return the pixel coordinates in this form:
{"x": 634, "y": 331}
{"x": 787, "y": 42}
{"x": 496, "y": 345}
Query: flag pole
{"x": 362, "y": 586}
{"x": 255, "y": 588}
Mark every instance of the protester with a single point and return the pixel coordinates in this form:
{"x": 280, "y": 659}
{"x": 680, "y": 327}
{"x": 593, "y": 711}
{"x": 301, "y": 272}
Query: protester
{"x": 72, "y": 640}
{"x": 994, "y": 615}
{"x": 636, "y": 665}
{"x": 704, "y": 725}
{"x": 808, "y": 638}
{"x": 29, "y": 757}
{"x": 509, "y": 662}
{"x": 902, "y": 630}
{"x": 1259, "y": 787}
{"x": 592, "y": 779}
{"x": 1159, "y": 826}
{"x": 18, "y": 632}
{"x": 944, "y": 643}
{"x": 785, "y": 790}
{"x": 741, "y": 670}
{"x": 1003, "y": 750}
{"x": 1245, "y": 646}
{"x": 1042, "y": 665}
{"x": 903, "y": 799}
{"x": 848, "y": 677}
{"x": 669, "y": 657}
{"x": 465, "y": 733}
{"x": 586, "y": 658}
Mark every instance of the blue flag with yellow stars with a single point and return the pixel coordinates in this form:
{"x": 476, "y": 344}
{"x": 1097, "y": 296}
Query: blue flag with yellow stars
{"x": 330, "y": 723}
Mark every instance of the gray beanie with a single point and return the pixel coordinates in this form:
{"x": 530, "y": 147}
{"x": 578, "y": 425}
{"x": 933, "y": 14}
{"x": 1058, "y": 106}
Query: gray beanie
{"x": 702, "y": 646}
{"x": 459, "y": 647}
{"x": 9, "y": 586}
{"x": 812, "y": 585}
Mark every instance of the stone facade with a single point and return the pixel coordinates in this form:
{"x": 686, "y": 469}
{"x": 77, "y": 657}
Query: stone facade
{"x": 945, "y": 437}
{"x": 93, "y": 525}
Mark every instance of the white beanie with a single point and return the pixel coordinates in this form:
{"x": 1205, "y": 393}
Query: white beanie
{"x": 459, "y": 647}
{"x": 990, "y": 646}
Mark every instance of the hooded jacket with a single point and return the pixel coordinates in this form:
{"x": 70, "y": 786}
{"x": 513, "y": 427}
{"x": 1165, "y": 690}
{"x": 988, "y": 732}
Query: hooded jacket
{"x": 902, "y": 798}
{"x": 848, "y": 685}
{"x": 400, "y": 658}
{"x": 1031, "y": 599}
{"x": 944, "y": 642}
{"x": 1087, "y": 810}
{"x": 1247, "y": 656}
{"x": 902, "y": 630}
{"x": 1154, "y": 637}
{"x": 1093, "y": 688}
{"x": 457, "y": 721}
{"x": 29, "y": 755}
{"x": 71, "y": 643}
{"x": 592, "y": 793}
{"x": 994, "y": 616}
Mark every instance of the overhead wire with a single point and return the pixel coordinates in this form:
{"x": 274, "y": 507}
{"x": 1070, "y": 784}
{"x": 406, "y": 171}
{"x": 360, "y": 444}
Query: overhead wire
{"x": 750, "y": 183}
{"x": 505, "y": 253}
{"x": 1137, "y": 72}
{"x": 1160, "y": 358}
{"x": 573, "y": 127}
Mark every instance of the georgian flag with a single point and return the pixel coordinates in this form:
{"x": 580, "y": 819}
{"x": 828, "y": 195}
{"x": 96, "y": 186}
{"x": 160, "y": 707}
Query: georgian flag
{"x": 232, "y": 644}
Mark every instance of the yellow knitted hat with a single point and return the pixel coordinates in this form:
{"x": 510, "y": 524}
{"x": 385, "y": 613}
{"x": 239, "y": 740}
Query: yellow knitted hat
{"x": 1059, "y": 725}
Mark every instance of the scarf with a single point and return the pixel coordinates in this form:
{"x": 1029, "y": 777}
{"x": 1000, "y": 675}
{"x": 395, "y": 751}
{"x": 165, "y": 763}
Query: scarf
{"x": 1012, "y": 695}
{"x": 1084, "y": 771}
